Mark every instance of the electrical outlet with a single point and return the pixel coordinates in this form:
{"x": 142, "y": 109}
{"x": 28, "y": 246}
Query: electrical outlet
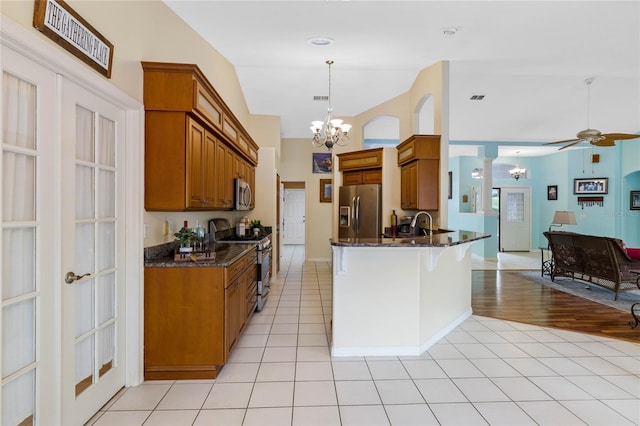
{"x": 146, "y": 230}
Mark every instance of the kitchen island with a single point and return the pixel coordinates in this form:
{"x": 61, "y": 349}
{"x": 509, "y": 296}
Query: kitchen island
{"x": 398, "y": 296}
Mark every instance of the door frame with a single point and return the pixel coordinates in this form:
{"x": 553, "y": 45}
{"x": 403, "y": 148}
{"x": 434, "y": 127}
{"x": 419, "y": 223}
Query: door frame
{"x": 26, "y": 42}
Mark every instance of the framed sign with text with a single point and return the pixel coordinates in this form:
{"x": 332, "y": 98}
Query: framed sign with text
{"x": 58, "y": 21}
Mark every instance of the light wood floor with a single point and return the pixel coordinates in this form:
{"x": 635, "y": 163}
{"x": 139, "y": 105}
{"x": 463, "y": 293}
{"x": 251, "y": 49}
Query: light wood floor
{"x": 505, "y": 295}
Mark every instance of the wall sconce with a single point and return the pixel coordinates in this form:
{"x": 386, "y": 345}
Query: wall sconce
{"x": 476, "y": 173}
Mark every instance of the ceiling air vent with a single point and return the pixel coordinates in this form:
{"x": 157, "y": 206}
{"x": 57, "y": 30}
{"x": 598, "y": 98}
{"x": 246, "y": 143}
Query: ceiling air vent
{"x": 321, "y": 98}
{"x": 477, "y": 97}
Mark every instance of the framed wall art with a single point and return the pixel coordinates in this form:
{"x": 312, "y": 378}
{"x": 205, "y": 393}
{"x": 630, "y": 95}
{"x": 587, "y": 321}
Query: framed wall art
{"x": 634, "y": 202}
{"x": 326, "y": 190}
{"x": 591, "y": 186}
{"x": 321, "y": 162}
{"x": 552, "y": 192}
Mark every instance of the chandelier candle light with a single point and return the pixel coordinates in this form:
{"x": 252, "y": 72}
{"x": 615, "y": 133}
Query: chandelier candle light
{"x": 517, "y": 172}
{"x": 332, "y": 131}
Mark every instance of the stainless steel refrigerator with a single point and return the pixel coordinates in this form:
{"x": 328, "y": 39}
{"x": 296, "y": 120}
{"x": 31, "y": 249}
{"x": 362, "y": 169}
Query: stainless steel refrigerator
{"x": 360, "y": 211}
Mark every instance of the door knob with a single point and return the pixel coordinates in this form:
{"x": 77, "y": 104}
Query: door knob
{"x": 71, "y": 277}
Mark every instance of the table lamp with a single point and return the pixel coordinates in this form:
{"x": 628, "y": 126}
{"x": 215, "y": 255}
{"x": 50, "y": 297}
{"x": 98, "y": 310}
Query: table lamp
{"x": 563, "y": 218}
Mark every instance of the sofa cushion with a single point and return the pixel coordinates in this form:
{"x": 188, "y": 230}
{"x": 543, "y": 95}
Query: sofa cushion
{"x": 633, "y": 253}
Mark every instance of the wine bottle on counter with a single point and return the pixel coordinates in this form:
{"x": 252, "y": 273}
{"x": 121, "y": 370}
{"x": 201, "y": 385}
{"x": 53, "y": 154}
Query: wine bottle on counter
{"x": 394, "y": 224}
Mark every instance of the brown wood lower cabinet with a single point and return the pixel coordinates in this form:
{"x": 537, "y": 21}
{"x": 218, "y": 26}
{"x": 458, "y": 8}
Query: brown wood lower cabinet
{"x": 193, "y": 317}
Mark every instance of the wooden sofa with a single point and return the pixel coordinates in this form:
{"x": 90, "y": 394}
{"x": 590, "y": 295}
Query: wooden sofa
{"x": 598, "y": 260}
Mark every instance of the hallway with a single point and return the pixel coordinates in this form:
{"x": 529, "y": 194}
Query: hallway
{"x": 487, "y": 371}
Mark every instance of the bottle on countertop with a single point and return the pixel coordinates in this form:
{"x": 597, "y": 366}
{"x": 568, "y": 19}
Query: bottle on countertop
{"x": 394, "y": 224}
{"x": 200, "y": 234}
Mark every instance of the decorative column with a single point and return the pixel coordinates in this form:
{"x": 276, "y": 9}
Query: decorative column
{"x": 488, "y": 247}
{"x": 488, "y": 154}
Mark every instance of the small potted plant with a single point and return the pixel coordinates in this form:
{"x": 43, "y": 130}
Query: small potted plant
{"x": 186, "y": 236}
{"x": 256, "y": 226}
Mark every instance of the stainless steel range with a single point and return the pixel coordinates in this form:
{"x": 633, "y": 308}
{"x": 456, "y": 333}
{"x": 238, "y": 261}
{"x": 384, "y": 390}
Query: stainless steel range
{"x": 220, "y": 230}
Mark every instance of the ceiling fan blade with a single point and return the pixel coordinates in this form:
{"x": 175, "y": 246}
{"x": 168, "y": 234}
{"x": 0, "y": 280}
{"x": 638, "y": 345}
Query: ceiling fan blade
{"x": 576, "y": 141}
{"x": 564, "y": 141}
{"x": 620, "y": 136}
{"x": 604, "y": 142}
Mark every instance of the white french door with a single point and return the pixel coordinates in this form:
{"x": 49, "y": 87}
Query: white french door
{"x": 92, "y": 252}
{"x": 29, "y": 274}
{"x": 61, "y": 345}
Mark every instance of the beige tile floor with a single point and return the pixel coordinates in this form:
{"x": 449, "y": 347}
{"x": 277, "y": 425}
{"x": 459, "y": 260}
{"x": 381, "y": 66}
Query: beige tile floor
{"x": 486, "y": 371}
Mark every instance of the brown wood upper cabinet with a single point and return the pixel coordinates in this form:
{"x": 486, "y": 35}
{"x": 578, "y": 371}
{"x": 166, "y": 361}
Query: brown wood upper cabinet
{"x": 194, "y": 145}
{"x": 361, "y": 167}
{"x": 419, "y": 160}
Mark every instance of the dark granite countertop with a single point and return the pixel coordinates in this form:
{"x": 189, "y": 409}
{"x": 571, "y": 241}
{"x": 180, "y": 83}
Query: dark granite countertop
{"x": 162, "y": 256}
{"x": 444, "y": 239}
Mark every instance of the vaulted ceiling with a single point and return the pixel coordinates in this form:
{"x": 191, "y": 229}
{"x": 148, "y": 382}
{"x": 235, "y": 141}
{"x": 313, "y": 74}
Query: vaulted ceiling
{"x": 529, "y": 60}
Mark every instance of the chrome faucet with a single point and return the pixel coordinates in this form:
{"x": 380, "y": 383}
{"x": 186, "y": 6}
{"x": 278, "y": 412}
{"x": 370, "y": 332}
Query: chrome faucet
{"x": 415, "y": 219}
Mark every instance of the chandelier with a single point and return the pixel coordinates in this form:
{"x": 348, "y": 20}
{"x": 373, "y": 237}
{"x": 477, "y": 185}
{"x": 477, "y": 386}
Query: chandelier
{"x": 516, "y": 172}
{"x": 331, "y": 131}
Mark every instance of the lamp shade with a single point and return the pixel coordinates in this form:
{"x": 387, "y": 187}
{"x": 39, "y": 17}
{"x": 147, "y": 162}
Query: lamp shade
{"x": 564, "y": 218}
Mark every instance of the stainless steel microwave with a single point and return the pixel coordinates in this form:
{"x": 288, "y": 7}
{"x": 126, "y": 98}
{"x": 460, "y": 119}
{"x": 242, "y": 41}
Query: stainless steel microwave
{"x": 242, "y": 195}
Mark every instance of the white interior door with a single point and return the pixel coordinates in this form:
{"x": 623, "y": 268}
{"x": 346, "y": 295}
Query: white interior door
{"x": 92, "y": 253}
{"x": 29, "y": 288}
{"x": 294, "y": 216}
{"x": 515, "y": 219}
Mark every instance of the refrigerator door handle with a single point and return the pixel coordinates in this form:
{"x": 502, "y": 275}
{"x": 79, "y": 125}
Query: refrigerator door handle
{"x": 353, "y": 213}
{"x": 358, "y": 214}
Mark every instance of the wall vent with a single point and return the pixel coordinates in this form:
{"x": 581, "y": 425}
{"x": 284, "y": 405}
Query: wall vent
{"x": 477, "y": 97}
{"x": 321, "y": 98}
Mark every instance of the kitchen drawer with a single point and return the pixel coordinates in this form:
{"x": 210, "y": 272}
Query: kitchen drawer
{"x": 239, "y": 266}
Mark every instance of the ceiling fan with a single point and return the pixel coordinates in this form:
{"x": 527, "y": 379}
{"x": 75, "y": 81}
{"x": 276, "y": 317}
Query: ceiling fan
{"x": 593, "y": 136}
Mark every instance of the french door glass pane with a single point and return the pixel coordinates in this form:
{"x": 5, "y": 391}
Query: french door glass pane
{"x": 106, "y": 345}
{"x": 84, "y": 306}
{"x": 19, "y": 262}
{"x": 106, "y": 191}
{"x": 107, "y": 298}
{"x": 85, "y": 201}
{"x": 19, "y": 112}
{"x": 107, "y": 142}
{"x": 84, "y": 134}
{"x": 106, "y": 246}
{"x": 85, "y": 243}
{"x": 18, "y": 400}
{"x": 18, "y": 342}
{"x": 18, "y": 182}
{"x": 84, "y": 363}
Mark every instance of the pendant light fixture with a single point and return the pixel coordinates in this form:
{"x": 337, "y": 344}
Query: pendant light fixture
{"x": 331, "y": 131}
{"x": 517, "y": 172}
